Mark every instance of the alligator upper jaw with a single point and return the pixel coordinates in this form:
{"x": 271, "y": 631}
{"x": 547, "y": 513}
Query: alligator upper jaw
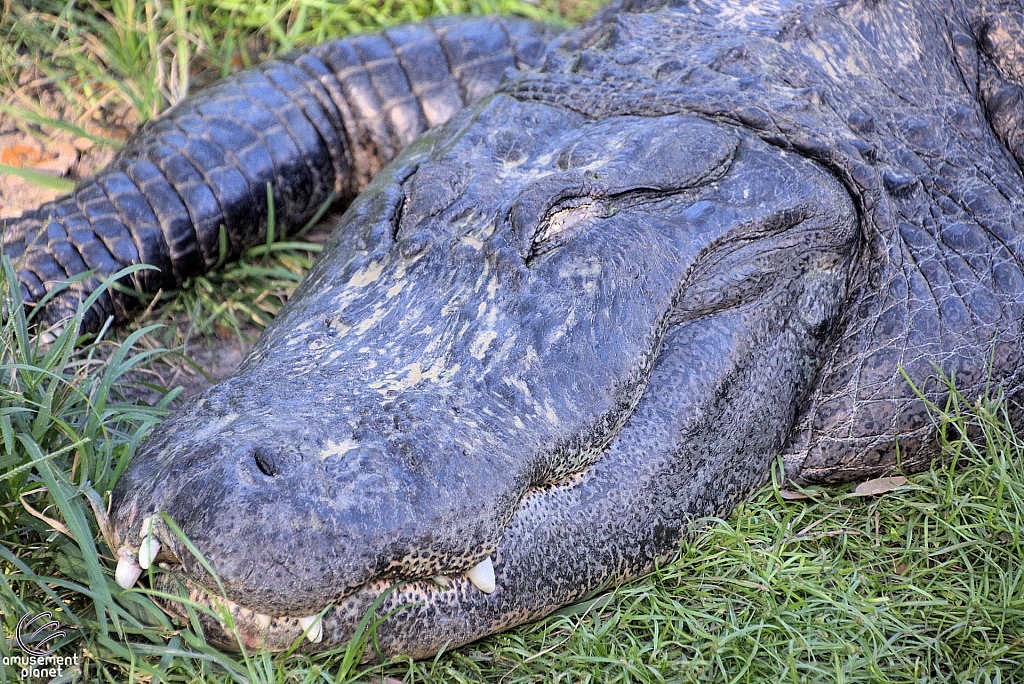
{"x": 231, "y": 625}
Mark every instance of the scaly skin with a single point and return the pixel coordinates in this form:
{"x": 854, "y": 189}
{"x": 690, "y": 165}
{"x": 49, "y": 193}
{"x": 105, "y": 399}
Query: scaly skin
{"x": 563, "y": 327}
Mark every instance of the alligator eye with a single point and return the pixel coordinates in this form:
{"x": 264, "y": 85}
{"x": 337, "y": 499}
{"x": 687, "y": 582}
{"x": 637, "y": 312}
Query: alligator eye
{"x": 566, "y": 221}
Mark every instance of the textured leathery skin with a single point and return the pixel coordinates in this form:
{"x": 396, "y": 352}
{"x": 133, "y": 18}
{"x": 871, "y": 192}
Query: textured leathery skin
{"x": 320, "y": 122}
{"x": 934, "y": 165}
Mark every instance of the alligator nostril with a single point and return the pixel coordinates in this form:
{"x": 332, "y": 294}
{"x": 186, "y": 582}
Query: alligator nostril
{"x": 269, "y": 462}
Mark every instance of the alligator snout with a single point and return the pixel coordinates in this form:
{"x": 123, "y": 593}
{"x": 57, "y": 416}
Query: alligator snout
{"x": 331, "y": 504}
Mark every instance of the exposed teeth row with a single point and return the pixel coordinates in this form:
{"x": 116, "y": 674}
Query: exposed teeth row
{"x": 128, "y": 572}
{"x": 481, "y": 575}
{"x": 130, "y": 566}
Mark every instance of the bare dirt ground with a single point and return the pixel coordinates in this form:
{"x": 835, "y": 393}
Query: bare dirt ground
{"x": 61, "y": 154}
{"x": 200, "y": 363}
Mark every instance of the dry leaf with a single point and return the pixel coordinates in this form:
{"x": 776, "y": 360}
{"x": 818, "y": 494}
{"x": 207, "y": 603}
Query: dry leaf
{"x": 19, "y": 155}
{"x": 60, "y": 158}
{"x": 790, "y": 495}
{"x": 880, "y": 485}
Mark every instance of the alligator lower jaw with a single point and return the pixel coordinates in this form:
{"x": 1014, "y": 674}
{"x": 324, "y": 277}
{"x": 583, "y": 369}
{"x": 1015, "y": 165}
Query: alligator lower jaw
{"x": 236, "y": 627}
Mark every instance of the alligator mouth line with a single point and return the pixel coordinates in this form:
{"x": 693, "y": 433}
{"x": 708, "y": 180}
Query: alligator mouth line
{"x": 333, "y": 625}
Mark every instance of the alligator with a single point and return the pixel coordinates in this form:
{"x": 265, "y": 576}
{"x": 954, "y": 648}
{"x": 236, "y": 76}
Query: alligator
{"x": 590, "y": 286}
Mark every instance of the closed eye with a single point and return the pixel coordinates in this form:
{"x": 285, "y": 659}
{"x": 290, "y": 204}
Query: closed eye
{"x": 566, "y": 221}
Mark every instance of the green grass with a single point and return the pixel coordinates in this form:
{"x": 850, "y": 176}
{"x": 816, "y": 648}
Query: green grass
{"x": 147, "y": 55}
{"x": 923, "y": 584}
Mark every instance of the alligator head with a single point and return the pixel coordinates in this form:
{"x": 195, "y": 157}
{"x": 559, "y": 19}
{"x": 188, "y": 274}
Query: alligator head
{"x": 514, "y": 341}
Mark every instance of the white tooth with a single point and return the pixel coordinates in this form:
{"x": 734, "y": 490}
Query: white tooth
{"x": 441, "y": 580}
{"x": 150, "y": 545}
{"x": 148, "y": 549}
{"x": 127, "y": 572}
{"x": 482, "y": 575}
{"x": 316, "y": 632}
{"x": 263, "y": 619}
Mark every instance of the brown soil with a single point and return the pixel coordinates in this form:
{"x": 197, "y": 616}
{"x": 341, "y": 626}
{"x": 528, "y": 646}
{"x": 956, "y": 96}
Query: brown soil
{"x": 58, "y": 153}
{"x": 202, "y": 362}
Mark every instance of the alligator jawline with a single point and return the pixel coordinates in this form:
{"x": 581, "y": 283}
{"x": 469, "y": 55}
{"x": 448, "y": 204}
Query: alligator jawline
{"x": 335, "y": 623}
